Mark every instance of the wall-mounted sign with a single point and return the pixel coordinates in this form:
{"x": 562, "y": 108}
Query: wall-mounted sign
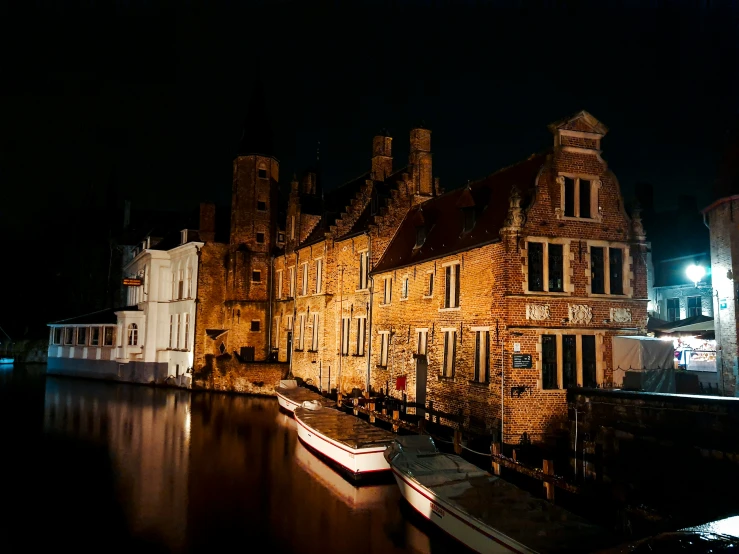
{"x": 722, "y": 304}
{"x": 517, "y": 347}
{"x": 522, "y": 361}
{"x": 131, "y": 282}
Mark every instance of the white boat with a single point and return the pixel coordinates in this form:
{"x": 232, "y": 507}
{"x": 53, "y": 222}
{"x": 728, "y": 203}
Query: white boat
{"x": 352, "y": 443}
{"x": 5, "y": 360}
{"x": 483, "y": 511}
{"x": 290, "y": 395}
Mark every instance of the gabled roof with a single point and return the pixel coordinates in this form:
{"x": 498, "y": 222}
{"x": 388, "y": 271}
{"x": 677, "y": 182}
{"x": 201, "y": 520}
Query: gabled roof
{"x": 99, "y": 317}
{"x": 443, "y": 221}
{"x": 580, "y": 121}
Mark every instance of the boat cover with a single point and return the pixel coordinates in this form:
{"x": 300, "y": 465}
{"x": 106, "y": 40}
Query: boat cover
{"x": 493, "y": 502}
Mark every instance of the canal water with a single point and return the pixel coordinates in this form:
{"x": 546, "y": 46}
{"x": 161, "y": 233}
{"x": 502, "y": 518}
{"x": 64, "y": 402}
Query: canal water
{"x": 108, "y": 467}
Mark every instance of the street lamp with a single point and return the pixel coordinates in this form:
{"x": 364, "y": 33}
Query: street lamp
{"x": 695, "y": 273}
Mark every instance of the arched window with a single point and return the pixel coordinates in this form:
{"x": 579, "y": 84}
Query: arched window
{"x": 133, "y": 334}
{"x": 188, "y": 286}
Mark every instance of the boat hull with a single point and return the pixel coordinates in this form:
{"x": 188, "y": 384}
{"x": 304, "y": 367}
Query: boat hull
{"x": 358, "y": 463}
{"x": 285, "y": 403}
{"x": 464, "y": 529}
{"x": 7, "y": 361}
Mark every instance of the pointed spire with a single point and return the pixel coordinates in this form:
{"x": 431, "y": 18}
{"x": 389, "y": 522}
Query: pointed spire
{"x": 256, "y": 136}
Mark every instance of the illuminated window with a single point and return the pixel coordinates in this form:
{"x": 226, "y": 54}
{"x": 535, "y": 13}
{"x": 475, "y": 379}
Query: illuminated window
{"x": 451, "y": 292}
{"x": 109, "y": 336}
{"x": 133, "y": 334}
{"x": 68, "y": 335}
{"x": 81, "y": 336}
{"x": 694, "y": 306}
{"x": 450, "y": 352}
{"x": 95, "y": 336}
{"x": 482, "y": 356}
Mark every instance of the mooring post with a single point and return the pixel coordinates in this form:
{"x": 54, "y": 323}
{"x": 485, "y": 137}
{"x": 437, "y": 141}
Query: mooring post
{"x": 495, "y": 451}
{"x": 457, "y": 441}
{"x": 338, "y": 399}
{"x": 356, "y": 406}
{"x": 548, "y": 469}
{"x": 371, "y": 408}
{"x": 396, "y": 416}
{"x": 431, "y": 412}
{"x": 515, "y": 455}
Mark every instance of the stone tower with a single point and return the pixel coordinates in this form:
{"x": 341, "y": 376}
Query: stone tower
{"x": 253, "y": 233}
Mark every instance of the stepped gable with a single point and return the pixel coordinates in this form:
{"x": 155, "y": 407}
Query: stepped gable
{"x": 443, "y": 222}
{"x": 383, "y": 190}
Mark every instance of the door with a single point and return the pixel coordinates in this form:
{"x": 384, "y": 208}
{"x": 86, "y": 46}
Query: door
{"x": 289, "y": 346}
{"x": 421, "y": 372}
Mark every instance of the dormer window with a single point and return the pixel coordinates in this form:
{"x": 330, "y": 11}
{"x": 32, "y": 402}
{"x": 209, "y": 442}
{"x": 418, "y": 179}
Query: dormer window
{"x": 420, "y": 235}
{"x": 579, "y": 197}
{"x": 468, "y": 218}
{"x": 262, "y": 171}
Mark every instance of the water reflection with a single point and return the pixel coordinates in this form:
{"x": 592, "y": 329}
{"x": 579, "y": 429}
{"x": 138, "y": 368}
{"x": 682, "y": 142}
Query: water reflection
{"x": 200, "y": 472}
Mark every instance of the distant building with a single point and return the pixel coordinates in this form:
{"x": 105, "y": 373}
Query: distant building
{"x": 673, "y": 296}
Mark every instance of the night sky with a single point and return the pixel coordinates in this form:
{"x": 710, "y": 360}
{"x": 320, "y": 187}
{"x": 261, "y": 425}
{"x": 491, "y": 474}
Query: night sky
{"x": 145, "y": 104}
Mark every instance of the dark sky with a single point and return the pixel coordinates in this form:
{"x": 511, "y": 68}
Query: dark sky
{"x": 149, "y": 102}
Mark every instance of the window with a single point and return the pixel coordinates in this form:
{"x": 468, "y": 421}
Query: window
{"x": 319, "y": 276}
{"x": 58, "y": 335}
{"x": 81, "y": 335}
{"x": 589, "y": 378}
{"x": 314, "y": 342}
{"x": 422, "y": 342}
{"x": 291, "y": 278}
{"x": 278, "y": 292}
{"x": 181, "y": 285}
{"x": 256, "y": 276}
{"x": 673, "y": 309}
{"x": 569, "y": 360}
{"x": 363, "y": 266}
{"x": 289, "y": 323}
{"x": 345, "y": 336}
{"x": 387, "y": 291}
{"x": 171, "y": 329}
{"x": 304, "y": 288}
{"x": 549, "y": 276}
{"x": 280, "y": 237}
{"x": 109, "y": 336}
{"x": 262, "y": 172}
{"x": 301, "y": 332}
{"x": 255, "y": 325}
{"x": 420, "y": 235}
{"x": 694, "y": 306}
{"x": 607, "y": 270}
{"x": 450, "y": 352}
{"x": 68, "y": 335}
{"x": 188, "y": 289}
{"x": 578, "y": 197}
{"x": 133, "y": 334}
{"x": 95, "y": 336}
{"x": 261, "y": 205}
{"x": 482, "y": 356}
{"x": 361, "y": 328}
{"x": 468, "y": 219}
{"x": 260, "y": 238}
{"x": 276, "y": 335}
{"x": 451, "y": 293}
{"x": 404, "y": 288}
{"x": 187, "y": 331}
{"x": 549, "y": 362}
{"x": 430, "y": 284}
{"x": 384, "y": 343}
{"x": 177, "y": 336}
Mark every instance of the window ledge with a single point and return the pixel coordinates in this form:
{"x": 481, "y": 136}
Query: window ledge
{"x": 427, "y": 296}
{"x": 365, "y": 289}
{"x": 548, "y": 293}
{"x": 596, "y": 219}
{"x": 552, "y": 391}
{"x": 419, "y": 356}
{"x": 298, "y": 350}
{"x": 603, "y": 295}
{"x": 382, "y": 305}
{"x": 481, "y": 384}
{"x": 455, "y": 309}
{"x": 403, "y": 299}
{"x": 314, "y": 351}
{"x": 357, "y": 355}
{"x": 378, "y": 366}
{"x": 446, "y": 378}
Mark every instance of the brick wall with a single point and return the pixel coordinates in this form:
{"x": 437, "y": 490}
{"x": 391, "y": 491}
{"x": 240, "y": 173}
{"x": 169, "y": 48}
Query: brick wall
{"x": 226, "y": 373}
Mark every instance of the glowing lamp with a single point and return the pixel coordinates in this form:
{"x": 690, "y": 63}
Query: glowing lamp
{"x": 695, "y": 273}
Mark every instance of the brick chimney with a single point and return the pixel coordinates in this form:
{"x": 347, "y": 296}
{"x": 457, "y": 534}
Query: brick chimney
{"x": 207, "y": 222}
{"x": 420, "y": 161}
{"x": 382, "y": 156}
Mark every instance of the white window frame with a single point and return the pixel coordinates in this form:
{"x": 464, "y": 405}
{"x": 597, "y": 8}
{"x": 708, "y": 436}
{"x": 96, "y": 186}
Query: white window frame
{"x": 345, "y": 333}
{"x": 626, "y": 275}
{"x": 171, "y": 330}
{"x": 319, "y": 275}
{"x": 177, "y": 336}
{"x": 559, "y": 334}
{"x": 481, "y": 367}
{"x": 567, "y": 286}
{"x": 384, "y": 347}
{"x": 363, "y": 270}
{"x": 405, "y": 287}
{"x": 289, "y": 323}
{"x": 253, "y": 271}
{"x": 429, "y": 284}
{"x": 301, "y": 332}
{"x": 304, "y": 279}
{"x": 92, "y": 330}
{"x": 276, "y": 341}
{"x": 291, "y": 276}
{"x": 387, "y": 291}
{"x": 133, "y": 334}
{"x": 314, "y": 335}
{"x": 595, "y": 185}
{"x": 450, "y": 352}
{"x": 422, "y": 341}
{"x": 187, "y": 332}
{"x": 361, "y": 334}
{"x": 279, "y": 284}
{"x": 188, "y": 283}
{"x": 450, "y": 285}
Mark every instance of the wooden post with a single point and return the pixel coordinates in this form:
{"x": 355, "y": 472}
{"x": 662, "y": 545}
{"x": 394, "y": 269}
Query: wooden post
{"x": 395, "y": 421}
{"x": 338, "y": 399}
{"x": 405, "y": 403}
{"x": 495, "y": 451}
{"x": 371, "y": 408}
{"x": 457, "y": 441}
{"x": 431, "y": 412}
{"x": 366, "y": 395}
{"x": 356, "y": 405}
{"x": 515, "y": 455}
{"x": 548, "y": 469}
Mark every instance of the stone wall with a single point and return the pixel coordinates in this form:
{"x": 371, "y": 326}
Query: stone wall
{"x": 228, "y": 374}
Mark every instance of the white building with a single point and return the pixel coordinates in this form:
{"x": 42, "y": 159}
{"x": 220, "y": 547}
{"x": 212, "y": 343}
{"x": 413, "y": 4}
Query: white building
{"x": 152, "y": 338}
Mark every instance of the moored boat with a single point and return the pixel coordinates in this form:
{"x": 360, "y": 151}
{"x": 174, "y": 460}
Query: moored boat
{"x": 5, "y": 360}
{"x": 354, "y": 445}
{"x": 483, "y": 511}
{"x": 290, "y": 395}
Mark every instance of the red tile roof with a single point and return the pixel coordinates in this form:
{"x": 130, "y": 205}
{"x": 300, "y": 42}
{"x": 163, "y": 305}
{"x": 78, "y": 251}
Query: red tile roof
{"x": 444, "y": 223}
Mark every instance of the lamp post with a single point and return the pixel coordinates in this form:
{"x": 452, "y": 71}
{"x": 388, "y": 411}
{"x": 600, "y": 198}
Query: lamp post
{"x": 695, "y": 273}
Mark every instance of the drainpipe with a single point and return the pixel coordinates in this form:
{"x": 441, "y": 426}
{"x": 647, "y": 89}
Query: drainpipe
{"x": 270, "y": 295}
{"x": 294, "y": 287}
{"x": 197, "y": 306}
{"x": 368, "y": 322}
